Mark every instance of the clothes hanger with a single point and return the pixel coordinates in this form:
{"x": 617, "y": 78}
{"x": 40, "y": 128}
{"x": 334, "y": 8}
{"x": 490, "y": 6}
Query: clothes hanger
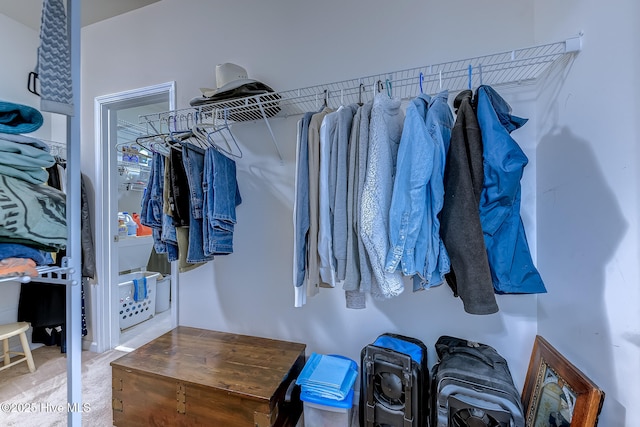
{"x": 181, "y": 131}
{"x": 360, "y": 94}
{"x": 387, "y": 83}
{"x": 150, "y": 142}
{"x": 223, "y": 134}
{"x": 199, "y": 136}
{"x": 421, "y": 80}
{"x": 143, "y": 140}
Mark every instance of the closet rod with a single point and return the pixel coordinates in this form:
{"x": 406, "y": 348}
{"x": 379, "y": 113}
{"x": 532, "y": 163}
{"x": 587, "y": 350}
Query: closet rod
{"x": 517, "y": 67}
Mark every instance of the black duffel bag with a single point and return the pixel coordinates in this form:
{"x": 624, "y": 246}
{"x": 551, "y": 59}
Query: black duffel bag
{"x": 472, "y": 386}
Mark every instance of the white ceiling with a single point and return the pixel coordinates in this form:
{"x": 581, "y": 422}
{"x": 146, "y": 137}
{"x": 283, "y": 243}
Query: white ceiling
{"x": 28, "y": 12}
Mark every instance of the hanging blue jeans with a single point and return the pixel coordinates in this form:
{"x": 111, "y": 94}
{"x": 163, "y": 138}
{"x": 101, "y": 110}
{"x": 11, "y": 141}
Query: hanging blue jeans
{"x": 221, "y": 196}
{"x": 193, "y": 160}
{"x": 169, "y": 238}
{"x": 152, "y": 215}
{"x": 151, "y": 211}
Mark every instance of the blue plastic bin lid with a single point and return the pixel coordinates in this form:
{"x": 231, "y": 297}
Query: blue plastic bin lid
{"x": 401, "y": 346}
{"x": 345, "y": 403}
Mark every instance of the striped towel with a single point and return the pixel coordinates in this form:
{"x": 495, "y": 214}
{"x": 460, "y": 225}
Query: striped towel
{"x": 54, "y": 60}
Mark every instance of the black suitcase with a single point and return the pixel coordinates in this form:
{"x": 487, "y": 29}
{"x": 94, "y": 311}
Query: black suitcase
{"x": 394, "y": 385}
{"x": 471, "y": 385}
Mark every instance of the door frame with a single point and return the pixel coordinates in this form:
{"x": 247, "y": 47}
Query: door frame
{"x": 106, "y": 330}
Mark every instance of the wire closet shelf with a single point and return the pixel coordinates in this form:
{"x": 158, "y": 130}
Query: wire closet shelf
{"x": 515, "y": 67}
{"x": 46, "y": 274}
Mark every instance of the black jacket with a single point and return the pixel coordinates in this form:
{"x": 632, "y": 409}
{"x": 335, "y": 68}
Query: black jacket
{"x": 460, "y": 228}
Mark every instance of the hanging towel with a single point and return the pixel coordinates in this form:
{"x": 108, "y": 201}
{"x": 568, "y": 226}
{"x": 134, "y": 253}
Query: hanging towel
{"x": 18, "y": 118}
{"x": 54, "y": 60}
{"x": 140, "y": 289}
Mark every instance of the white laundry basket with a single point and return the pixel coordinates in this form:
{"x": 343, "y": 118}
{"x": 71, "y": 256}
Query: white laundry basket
{"x": 132, "y": 312}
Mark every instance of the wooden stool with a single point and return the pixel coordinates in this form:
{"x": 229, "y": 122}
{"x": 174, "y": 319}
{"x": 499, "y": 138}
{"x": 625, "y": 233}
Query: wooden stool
{"x": 12, "y": 329}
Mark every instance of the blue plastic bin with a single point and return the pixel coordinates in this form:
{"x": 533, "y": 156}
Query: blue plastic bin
{"x": 323, "y": 411}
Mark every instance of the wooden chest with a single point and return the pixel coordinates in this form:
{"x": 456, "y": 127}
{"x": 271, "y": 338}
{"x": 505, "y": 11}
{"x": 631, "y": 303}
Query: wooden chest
{"x": 195, "y": 377}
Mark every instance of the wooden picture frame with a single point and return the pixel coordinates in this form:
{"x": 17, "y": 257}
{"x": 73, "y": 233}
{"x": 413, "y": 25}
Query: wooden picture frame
{"x": 556, "y": 393}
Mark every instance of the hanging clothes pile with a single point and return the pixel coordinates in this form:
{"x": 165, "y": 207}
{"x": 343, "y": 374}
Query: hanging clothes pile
{"x": 381, "y": 194}
{"x": 190, "y": 203}
{"x": 344, "y": 179}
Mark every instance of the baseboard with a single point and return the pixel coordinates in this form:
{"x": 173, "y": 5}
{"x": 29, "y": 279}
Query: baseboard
{"x": 89, "y": 345}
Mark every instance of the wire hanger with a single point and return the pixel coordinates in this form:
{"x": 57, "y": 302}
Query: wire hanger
{"x": 154, "y": 143}
{"x": 199, "y": 136}
{"x": 223, "y": 134}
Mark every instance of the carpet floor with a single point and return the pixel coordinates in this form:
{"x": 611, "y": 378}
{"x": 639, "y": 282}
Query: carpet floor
{"x": 39, "y": 399}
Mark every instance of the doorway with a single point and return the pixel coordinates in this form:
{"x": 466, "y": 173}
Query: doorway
{"x": 116, "y": 125}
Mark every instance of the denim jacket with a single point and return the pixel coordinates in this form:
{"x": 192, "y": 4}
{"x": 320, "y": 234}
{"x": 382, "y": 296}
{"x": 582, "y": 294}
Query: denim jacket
{"x": 414, "y": 228}
{"x": 512, "y": 268}
{"x": 439, "y": 125}
{"x": 413, "y": 171}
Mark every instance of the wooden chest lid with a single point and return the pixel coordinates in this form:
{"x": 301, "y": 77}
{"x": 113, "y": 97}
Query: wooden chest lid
{"x": 240, "y": 364}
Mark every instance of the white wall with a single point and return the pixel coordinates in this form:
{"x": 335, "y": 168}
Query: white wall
{"x": 588, "y": 194}
{"x": 582, "y": 166}
{"x": 20, "y": 58}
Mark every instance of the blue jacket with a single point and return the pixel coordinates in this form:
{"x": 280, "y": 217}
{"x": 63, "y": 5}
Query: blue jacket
{"x": 512, "y": 269}
{"x": 414, "y": 227}
{"x": 408, "y": 202}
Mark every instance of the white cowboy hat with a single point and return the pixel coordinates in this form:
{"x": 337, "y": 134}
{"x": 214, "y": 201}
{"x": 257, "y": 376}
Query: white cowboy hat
{"x": 228, "y": 77}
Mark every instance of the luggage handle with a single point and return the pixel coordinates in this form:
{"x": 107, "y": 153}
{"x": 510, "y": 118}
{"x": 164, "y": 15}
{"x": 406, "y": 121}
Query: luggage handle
{"x": 471, "y": 352}
{"x": 406, "y": 362}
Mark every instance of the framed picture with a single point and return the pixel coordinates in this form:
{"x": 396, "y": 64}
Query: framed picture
{"x": 556, "y": 393}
